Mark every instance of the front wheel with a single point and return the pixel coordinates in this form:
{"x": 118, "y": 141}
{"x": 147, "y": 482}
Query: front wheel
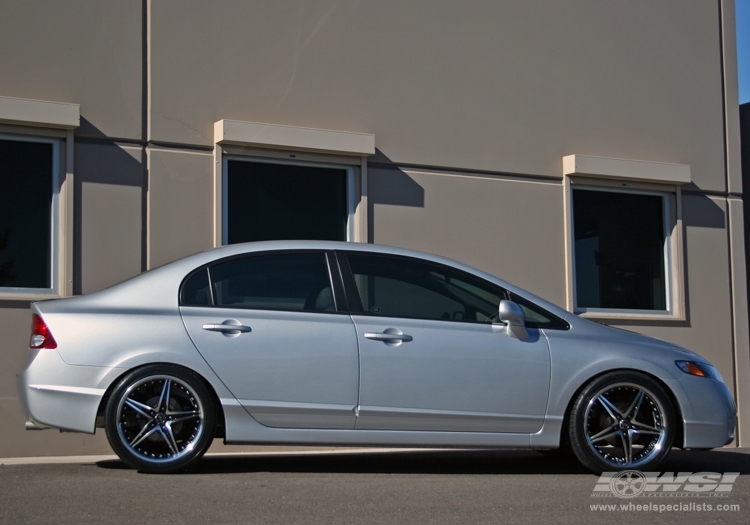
{"x": 622, "y": 421}
{"x": 160, "y": 418}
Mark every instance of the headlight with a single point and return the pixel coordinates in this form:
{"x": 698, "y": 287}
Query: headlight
{"x": 695, "y": 368}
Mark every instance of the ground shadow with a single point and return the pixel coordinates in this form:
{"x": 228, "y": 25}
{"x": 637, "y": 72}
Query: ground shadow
{"x": 460, "y": 462}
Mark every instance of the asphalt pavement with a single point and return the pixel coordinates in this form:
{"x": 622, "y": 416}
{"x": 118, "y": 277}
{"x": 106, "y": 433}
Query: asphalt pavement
{"x": 291, "y": 486}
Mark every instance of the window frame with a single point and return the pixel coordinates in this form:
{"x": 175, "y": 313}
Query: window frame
{"x": 351, "y": 188}
{"x": 59, "y": 271}
{"x": 263, "y": 141}
{"x": 48, "y": 120}
{"x": 673, "y": 248}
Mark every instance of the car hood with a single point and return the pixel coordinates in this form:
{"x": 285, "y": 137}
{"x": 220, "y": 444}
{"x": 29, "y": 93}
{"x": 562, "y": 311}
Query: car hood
{"x": 627, "y": 337}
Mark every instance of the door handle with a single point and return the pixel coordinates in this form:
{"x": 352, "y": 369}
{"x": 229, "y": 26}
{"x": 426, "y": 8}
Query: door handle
{"x": 389, "y": 337}
{"x": 229, "y": 328}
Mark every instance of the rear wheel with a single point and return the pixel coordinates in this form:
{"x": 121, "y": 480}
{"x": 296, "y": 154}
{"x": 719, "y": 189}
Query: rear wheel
{"x": 622, "y": 421}
{"x": 160, "y": 418}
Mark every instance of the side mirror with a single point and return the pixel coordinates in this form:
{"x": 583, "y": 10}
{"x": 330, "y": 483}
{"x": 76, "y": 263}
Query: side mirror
{"x": 512, "y": 315}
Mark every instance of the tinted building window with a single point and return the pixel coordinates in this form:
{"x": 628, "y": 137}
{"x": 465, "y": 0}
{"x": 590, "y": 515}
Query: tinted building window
{"x": 285, "y": 281}
{"x": 26, "y": 179}
{"x": 267, "y": 201}
{"x": 620, "y": 250}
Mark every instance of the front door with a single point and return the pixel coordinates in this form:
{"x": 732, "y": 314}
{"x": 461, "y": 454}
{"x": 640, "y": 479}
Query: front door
{"x": 431, "y": 359}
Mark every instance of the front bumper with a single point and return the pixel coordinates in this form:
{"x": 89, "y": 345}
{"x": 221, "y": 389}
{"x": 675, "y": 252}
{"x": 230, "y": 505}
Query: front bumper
{"x": 708, "y": 411}
{"x": 55, "y": 394}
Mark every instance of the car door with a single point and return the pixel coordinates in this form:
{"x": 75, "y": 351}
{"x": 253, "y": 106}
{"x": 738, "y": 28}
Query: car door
{"x": 269, "y": 326}
{"x": 430, "y": 356}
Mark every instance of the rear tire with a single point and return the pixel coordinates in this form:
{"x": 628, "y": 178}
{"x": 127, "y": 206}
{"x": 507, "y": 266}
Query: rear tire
{"x": 622, "y": 421}
{"x": 160, "y": 418}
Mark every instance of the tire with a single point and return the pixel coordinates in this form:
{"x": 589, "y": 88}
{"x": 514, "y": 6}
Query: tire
{"x": 622, "y": 421}
{"x": 160, "y": 418}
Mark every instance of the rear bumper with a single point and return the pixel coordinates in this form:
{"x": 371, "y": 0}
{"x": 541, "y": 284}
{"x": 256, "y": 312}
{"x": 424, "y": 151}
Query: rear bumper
{"x": 55, "y": 394}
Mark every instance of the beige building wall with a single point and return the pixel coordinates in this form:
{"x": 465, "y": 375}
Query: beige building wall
{"x": 85, "y": 52}
{"x": 510, "y": 227}
{"x": 498, "y": 86}
{"x": 180, "y": 200}
{"x": 473, "y": 106}
{"x": 109, "y": 180}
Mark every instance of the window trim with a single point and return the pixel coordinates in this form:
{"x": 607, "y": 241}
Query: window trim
{"x": 29, "y": 119}
{"x": 265, "y": 142}
{"x": 673, "y": 246}
{"x": 60, "y": 269}
{"x": 351, "y": 189}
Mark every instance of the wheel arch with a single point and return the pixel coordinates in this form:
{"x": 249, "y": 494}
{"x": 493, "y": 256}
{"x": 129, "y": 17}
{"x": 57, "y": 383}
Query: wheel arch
{"x": 679, "y": 437}
{"x": 220, "y": 420}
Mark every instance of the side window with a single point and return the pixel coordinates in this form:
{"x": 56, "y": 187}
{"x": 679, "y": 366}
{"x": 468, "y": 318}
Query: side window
{"x": 403, "y": 287}
{"x": 195, "y": 290}
{"x": 537, "y": 317}
{"x": 279, "y": 281}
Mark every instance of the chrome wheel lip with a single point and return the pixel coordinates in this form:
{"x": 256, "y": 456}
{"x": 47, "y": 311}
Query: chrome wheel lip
{"x": 657, "y": 444}
{"x": 199, "y": 426}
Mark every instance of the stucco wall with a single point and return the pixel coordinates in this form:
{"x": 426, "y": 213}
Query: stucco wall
{"x": 472, "y": 104}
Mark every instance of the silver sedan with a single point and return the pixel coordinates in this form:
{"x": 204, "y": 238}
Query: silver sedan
{"x": 304, "y": 342}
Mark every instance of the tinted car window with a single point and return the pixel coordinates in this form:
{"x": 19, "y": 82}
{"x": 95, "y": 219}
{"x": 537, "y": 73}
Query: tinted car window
{"x": 537, "y": 317}
{"x": 281, "y": 281}
{"x": 195, "y": 291}
{"x": 402, "y": 287}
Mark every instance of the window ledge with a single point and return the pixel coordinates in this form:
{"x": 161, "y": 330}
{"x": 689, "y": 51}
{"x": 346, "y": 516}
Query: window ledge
{"x": 626, "y": 169}
{"x": 626, "y": 316}
{"x": 235, "y": 132}
{"x": 39, "y": 113}
{"x": 30, "y": 296}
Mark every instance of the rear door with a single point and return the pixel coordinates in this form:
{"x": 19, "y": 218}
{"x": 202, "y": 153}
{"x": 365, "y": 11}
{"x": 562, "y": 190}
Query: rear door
{"x": 269, "y": 325}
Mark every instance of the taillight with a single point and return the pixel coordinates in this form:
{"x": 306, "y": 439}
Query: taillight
{"x": 41, "y": 337}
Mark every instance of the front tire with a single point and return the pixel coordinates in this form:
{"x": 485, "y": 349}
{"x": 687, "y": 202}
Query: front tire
{"x": 160, "y": 418}
{"x": 622, "y": 421}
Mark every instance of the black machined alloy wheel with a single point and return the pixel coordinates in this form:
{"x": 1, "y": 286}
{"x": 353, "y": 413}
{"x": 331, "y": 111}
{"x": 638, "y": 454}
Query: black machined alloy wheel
{"x": 160, "y": 418}
{"x": 622, "y": 421}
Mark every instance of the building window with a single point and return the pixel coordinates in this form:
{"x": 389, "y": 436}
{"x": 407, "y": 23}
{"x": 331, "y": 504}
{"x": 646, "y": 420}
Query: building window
{"x": 29, "y": 216}
{"x": 266, "y": 200}
{"x": 622, "y": 253}
{"x": 287, "y": 182}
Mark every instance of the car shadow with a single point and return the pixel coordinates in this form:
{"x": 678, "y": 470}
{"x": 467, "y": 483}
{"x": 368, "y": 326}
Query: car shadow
{"x": 442, "y": 462}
